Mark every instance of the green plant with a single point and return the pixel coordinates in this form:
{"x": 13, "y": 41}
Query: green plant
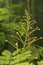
{"x": 20, "y": 36}
{"x": 23, "y": 34}
{"x": 15, "y": 58}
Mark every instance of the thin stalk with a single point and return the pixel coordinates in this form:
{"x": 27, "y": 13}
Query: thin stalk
{"x": 17, "y": 54}
{"x": 28, "y": 27}
{"x": 21, "y": 39}
{"x": 11, "y": 44}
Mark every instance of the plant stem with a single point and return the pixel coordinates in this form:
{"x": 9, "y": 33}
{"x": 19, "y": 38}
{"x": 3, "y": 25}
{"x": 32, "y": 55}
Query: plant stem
{"x": 17, "y": 55}
{"x": 11, "y": 44}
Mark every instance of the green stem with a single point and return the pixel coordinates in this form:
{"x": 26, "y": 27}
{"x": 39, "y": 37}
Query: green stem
{"x": 17, "y": 55}
{"x": 21, "y": 39}
{"x": 27, "y": 31}
{"x": 11, "y": 44}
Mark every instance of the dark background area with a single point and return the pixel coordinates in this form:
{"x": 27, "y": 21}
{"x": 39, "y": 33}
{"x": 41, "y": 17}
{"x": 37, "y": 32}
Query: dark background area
{"x": 38, "y": 15}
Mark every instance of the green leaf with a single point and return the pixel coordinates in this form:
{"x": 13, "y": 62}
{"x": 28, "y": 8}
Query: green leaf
{"x": 40, "y": 63}
{"x": 6, "y": 53}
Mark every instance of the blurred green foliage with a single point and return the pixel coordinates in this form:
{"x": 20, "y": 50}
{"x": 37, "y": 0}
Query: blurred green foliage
{"x": 10, "y": 13}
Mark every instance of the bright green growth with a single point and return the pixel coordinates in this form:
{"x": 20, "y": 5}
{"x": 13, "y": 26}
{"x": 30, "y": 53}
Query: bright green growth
{"x": 20, "y": 58}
